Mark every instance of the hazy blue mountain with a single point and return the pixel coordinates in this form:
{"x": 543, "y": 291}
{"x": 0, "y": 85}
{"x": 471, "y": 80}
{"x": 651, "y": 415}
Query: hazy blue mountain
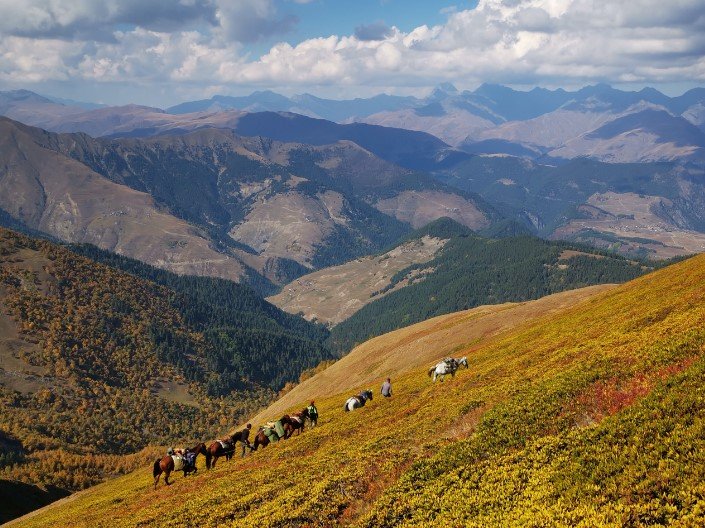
{"x": 79, "y": 104}
{"x": 516, "y": 105}
{"x": 692, "y": 97}
{"x": 257, "y": 101}
{"x": 409, "y": 149}
{"x": 345, "y": 110}
{"x": 305, "y": 104}
{"x": 21, "y": 96}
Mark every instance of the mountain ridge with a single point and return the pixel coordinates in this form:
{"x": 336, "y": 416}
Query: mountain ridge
{"x": 584, "y": 384}
{"x": 98, "y": 354}
{"x": 251, "y": 193}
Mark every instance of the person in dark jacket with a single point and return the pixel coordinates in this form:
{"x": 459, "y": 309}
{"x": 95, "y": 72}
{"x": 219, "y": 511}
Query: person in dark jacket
{"x": 387, "y": 388}
{"x": 312, "y": 413}
{"x": 244, "y": 437}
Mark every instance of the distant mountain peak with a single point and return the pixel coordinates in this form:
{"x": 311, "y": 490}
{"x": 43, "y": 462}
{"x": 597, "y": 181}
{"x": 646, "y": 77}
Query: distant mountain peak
{"x": 447, "y": 88}
{"x": 442, "y": 91}
{"x": 24, "y": 95}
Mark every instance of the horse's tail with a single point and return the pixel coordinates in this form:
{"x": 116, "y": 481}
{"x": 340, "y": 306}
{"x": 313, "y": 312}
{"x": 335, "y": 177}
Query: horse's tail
{"x": 157, "y": 469}
{"x": 208, "y": 458}
{"x": 430, "y": 371}
{"x": 345, "y": 407}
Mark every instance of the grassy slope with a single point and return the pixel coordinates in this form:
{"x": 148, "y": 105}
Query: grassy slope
{"x": 95, "y": 363}
{"x": 593, "y": 416}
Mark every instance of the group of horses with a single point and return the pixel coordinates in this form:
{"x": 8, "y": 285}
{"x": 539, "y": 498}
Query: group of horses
{"x": 290, "y": 424}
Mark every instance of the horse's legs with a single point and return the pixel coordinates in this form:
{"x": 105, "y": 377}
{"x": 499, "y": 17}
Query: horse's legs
{"x": 215, "y": 459}
{"x": 166, "y": 477}
{"x": 156, "y": 480}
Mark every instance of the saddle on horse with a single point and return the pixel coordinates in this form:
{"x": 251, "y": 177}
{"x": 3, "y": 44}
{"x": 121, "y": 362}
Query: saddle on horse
{"x": 226, "y": 444}
{"x": 274, "y": 430}
{"x": 179, "y": 462}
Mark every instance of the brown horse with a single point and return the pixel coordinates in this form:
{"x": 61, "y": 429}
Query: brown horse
{"x": 219, "y": 448}
{"x": 166, "y": 464}
{"x": 288, "y": 424}
{"x": 298, "y": 421}
{"x": 261, "y": 438}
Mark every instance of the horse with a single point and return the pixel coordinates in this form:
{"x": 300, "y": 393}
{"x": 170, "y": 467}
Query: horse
{"x": 224, "y": 447}
{"x": 358, "y": 401}
{"x": 447, "y": 366}
{"x": 298, "y": 421}
{"x": 261, "y": 439}
{"x": 170, "y": 463}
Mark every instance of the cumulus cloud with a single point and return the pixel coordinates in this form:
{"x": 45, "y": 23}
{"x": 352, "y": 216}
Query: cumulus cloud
{"x": 236, "y": 20}
{"x": 250, "y": 20}
{"x": 95, "y": 19}
{"x": 375, "y": 31}
{"x": 518, "y": 41}
{"x": 510, "y": 41}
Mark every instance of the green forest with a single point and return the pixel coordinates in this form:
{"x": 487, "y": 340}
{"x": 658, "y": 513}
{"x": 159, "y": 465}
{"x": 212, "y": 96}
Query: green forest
{"x": 105, "y": 347}
{"x": 471, "y": 271}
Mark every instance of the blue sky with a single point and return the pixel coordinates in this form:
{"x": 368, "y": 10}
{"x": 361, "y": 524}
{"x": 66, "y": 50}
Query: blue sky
{"x": 161, "y": 52}
{"x": 341, "y": 17}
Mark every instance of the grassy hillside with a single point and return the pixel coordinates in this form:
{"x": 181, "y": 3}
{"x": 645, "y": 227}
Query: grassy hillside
{"x": 472, "y": 270}
{"x": 97, "y": 364}
{"x": 594, "y": 416}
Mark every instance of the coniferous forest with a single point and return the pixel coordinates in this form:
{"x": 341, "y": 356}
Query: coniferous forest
{"x": 472, "y": 270}
{"x": 105, "y": 360}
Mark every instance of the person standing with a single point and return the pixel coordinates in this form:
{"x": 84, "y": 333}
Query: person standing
{"x": 387, "y": 388}
{"x": 312, "y": 413}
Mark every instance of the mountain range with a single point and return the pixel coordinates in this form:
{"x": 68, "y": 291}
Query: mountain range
{"x": 213, "y": 202}
{"x": 597, "y": 121}
{"x": 620, "y": 170}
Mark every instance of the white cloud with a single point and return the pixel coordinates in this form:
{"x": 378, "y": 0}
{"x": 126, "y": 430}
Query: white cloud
{"x": 564, "y": 42}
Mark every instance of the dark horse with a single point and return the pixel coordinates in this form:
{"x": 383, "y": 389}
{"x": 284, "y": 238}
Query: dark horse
{"x": 167, "y": 464}
{"x": 298, "y": 421}
{"x": 262, "y": 439}
{"x": 219, "y": 448}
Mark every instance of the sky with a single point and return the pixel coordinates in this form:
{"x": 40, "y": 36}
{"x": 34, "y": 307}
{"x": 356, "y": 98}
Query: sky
{"x": 162, "y": 52}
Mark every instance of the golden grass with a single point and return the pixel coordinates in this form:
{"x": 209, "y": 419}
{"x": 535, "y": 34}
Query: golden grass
{"x": 422, "y": 345}
{"x": 499, "y": 444}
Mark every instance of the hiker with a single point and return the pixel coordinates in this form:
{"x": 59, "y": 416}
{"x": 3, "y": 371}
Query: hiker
{"x": 244, "y": 437}
{"x": 312, "y": 413}
{"x": 190, "y": 458}
{"x": 387, "y": 388}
